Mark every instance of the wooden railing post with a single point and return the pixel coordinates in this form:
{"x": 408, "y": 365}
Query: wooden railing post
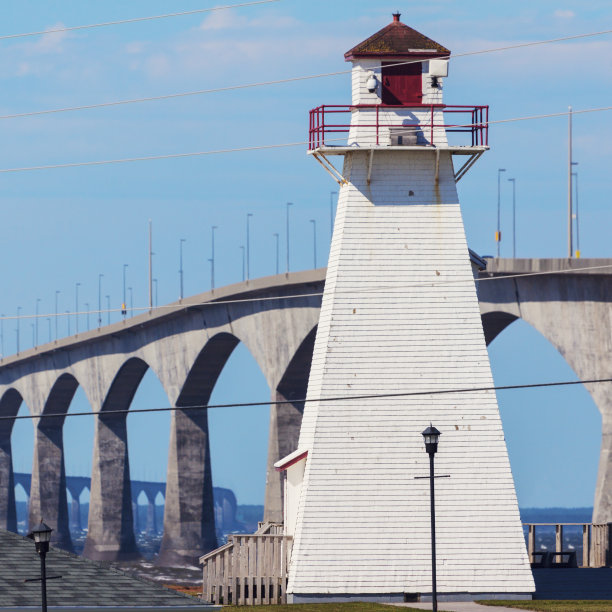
{"x": 531, "y": 539}
{"x": 586, "y": 545}
{"x": 558, "y": 539}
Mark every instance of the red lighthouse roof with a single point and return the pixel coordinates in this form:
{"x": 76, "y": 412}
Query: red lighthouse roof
{"x": 397, "y": 40}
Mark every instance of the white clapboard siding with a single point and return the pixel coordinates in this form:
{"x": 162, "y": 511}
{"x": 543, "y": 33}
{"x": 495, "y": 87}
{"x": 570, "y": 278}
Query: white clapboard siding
{"x": 400, "y": 314}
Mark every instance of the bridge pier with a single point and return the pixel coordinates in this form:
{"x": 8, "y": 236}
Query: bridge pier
{"x": 8, "y": 514}
{"x": 48, "y": 500}
{"x": 110, "y": 535}
{"x": 189, "y": 518}
{"x": 151, "y": 528}
{"x": 75, "y": 510}
{"x": 9, "y": 406}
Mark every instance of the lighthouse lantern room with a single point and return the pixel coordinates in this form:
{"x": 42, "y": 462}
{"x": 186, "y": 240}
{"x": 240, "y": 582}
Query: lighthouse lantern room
{"x": 397, "y": 90}
{"x": 400, "y": 345}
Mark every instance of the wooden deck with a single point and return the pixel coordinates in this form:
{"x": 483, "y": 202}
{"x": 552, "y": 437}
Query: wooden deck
{"x": 249, "y": 569}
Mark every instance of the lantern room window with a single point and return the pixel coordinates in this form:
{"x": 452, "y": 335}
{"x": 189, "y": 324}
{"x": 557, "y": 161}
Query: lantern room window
{"x": 403, "y": 84}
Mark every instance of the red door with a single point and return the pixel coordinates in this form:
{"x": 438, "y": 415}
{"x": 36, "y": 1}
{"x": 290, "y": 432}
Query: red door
{"x": 402, "y": 84}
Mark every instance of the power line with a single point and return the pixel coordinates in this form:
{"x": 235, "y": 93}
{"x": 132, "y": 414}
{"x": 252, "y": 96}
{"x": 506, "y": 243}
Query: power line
{"x": 124, "y": 160}
{"x": 187, "y": 304}
{"x": 201, "y": 92}
{"x": 343, "y": 398}
{"x": 134, "y": 20}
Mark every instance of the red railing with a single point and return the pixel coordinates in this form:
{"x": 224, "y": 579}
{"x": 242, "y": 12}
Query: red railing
{"x": 476, "y": 124}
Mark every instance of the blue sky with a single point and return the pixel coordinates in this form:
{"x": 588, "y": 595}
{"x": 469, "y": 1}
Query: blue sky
{"x": 66, "y": 226}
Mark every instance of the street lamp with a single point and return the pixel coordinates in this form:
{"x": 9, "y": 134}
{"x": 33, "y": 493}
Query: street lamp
{"x": 513, "y": 181}
{"x": 314, "y": 241}
{"x": 182, "y": 240}
{"x": 248, "y": 247}
{"x": 277, "y": 241}
{"x": 288, "y": 205}
{"x": 498, "y": 232}
{"x": 156, "y": 295}
{"x": 41, "y": 536}
{"x": 68, "y": 321}
{"x": 87, "y": 311}
{"x": 131, "y": 301}
{"x": 49, "y": 322}
{"x": 108, "y": 309}
{"x": 431, "y": 436}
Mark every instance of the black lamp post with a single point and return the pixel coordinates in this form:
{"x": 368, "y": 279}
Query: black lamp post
{"x": 41, "y": 536}
{"x": 431, "y": 436}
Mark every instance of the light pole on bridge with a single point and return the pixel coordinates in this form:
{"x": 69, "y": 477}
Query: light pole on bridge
{"x": 289, "y": 204}
{"x": 108, "y": 309}
{"x": 57, "y": 292}
{"x": 18, "y": 325}
{"x": 243, "y": 266}
{"x": 498, "y": 232}
{"x": 100, "y": 276}
{"x": 87, "y": 311}
{"x": 76, "y": 307}
{"x": 49, "y": 322}
{"x": 276, "y": 236}
{"x": 38, "y": 300}
{"x": 181, "y": 242}
{"x": 248, "y": 246}
{"x": 513, "y": 181}
{"x": 123, "y": 304}
{"x": 212, "y": 259}
{"x": 131, "y": 301}
{"x": 575, "y": 175}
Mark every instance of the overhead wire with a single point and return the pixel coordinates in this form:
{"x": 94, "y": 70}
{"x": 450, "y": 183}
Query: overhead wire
{"x": 281, "y": 81}
{"x": 124, "y": 160}
{"x": 133, "y": 20}
{"x": 342, "y": 398}
{"x": 421, "y": 284}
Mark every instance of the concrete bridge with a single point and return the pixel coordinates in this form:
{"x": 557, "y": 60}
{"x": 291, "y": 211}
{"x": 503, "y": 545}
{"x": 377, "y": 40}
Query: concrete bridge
{"x": 224, "y": 501}
{"x": 187, "y": 344}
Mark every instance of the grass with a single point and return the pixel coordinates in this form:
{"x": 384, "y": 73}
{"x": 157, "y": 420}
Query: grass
{"x": 553, "y": 605}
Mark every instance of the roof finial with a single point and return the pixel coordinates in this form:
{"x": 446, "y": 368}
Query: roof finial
{"x": 396, "y": 16}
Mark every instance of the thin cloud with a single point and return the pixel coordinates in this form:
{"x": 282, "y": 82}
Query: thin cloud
{"x": 564, "y": 14}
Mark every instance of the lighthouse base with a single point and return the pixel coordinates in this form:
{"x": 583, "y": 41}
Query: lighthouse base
{"x": 394, "y": 598}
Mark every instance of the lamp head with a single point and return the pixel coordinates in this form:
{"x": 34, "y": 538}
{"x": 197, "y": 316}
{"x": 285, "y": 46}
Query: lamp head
{"x": 372, "y": 82}
{"x": 431, "y": 436}
{"x": 41, "y": 536}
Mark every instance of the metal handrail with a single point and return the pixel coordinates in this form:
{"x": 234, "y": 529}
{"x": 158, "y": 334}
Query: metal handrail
{"x": 478, "y": 126}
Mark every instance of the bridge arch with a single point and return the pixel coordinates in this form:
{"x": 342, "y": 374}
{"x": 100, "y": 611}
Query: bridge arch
{"x": 189, "y": 520}
{"x": 111, "y": 534}
{"x": 48, "y": 496}
{"x": 552, "y": 462}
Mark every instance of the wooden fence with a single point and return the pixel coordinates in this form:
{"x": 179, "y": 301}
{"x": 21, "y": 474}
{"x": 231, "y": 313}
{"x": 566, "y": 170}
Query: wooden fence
{"x": 596, "y": 541}
{"x": 249, "y": 569}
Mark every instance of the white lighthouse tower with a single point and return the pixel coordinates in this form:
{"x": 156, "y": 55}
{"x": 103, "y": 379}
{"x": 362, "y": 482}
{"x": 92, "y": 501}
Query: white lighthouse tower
{"x": 400, "y": 345}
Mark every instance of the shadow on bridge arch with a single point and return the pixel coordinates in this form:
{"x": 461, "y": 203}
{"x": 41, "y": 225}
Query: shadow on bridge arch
{"x": 10, "y": 404}
{"x": 553, "y": 434}
{"x": 113, "y": 502}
